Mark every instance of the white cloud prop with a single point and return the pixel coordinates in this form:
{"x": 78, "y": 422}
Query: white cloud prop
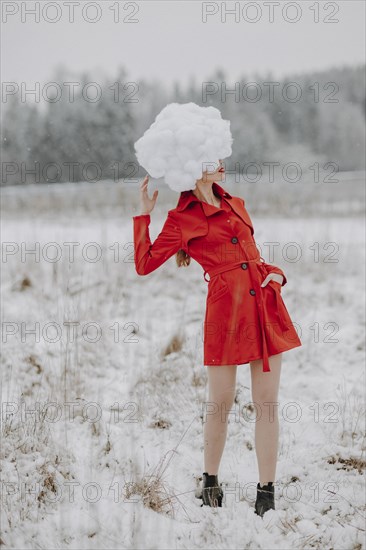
{"x": 181, "y": 141}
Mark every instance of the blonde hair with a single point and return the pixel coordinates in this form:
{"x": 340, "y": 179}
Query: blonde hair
{"x": 182, "y": 258}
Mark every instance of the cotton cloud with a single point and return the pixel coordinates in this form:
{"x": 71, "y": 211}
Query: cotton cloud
{"x": 180, "y": 143}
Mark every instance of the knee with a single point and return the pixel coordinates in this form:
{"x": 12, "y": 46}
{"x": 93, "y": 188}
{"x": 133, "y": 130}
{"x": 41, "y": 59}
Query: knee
{"x": 266, "y": 405}
{"x": 222, "y": 401}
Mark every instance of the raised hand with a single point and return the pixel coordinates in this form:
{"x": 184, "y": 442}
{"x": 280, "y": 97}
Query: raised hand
{"x": 147, "y": 204}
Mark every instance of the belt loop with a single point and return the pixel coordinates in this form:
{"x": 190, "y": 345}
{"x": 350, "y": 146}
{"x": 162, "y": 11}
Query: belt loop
{"x": 204, "y": 276}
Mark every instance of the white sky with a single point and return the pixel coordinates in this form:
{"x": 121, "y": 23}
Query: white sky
{"x": 171, "y": 42}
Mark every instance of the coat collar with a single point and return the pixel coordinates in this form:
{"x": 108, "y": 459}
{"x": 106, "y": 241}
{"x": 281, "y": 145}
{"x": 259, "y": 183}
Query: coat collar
{"x": 194, "y": 221}
{"x": 186, "y": 197}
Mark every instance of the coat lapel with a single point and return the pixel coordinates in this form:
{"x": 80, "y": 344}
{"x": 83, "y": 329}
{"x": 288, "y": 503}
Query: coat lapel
{"x": 239, "y": 208}
{"x": 194, "y": 223}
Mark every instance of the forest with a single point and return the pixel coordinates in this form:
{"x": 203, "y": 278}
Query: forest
{"x": 85, "y": 132}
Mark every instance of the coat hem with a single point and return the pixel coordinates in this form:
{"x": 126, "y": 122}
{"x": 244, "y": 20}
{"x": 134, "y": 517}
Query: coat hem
{"x": 246, "y": 361}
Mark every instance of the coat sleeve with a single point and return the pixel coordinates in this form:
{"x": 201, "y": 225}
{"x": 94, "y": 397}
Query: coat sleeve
{"x": 149, "y": 256}
{"x": 270, "y": 267}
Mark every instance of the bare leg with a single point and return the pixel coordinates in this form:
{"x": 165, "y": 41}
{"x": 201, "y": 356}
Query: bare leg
{"x": 221, "y": 395}
{"x": 265, "y": 387}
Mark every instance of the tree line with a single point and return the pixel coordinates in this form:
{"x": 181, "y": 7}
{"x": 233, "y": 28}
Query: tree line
{"x": 306, "y": 118}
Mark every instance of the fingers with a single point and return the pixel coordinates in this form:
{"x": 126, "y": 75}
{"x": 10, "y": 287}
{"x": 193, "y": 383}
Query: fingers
{"x": 270, "y": 277}
{"x": 143, "y": 189}
{"x": 266, "y": 280}
{"x": 144, "y": 183}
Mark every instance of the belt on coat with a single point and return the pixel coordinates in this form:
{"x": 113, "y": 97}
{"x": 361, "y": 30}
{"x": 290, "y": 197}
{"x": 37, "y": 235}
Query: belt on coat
{"x": 254, "y": 264}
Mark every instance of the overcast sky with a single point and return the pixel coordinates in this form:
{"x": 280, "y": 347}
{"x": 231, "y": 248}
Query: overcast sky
{"x": 171, "y": 42}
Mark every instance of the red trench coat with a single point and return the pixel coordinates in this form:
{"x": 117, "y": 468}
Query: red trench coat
{"x": 243, "y": 321}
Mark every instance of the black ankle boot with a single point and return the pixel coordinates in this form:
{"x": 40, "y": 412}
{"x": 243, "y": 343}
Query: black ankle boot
{"x": 265, "y": 498}
{"x": 212, "y": 492}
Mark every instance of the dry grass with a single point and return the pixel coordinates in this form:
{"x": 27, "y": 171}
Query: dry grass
{"x": 352, "y": 416}
{"x": 199, "y": 379}
{"x": 151, "y": 487}
{"x": 34, "y": 362}
{"x": 35, "y": 460}
{"x": 48, "y": 484}
{"x": 153, "y": 494}
{"x": 22, "y": 284}
{"x": 175, "y": 345}
{"x": 153, "y": 491}
{"x": 161, "y": 424}
{"x": 352, "y": 463}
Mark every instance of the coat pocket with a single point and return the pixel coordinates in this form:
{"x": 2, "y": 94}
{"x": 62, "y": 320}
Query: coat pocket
{"x": 276, "y": 285}
{"x": 212, "y": 297}
{"x": 282, "y": 314}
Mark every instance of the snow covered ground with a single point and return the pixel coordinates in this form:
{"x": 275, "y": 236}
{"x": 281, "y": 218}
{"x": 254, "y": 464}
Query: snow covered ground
{"x": 102, "y": 425}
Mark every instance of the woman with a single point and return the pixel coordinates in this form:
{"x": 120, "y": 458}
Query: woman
{"x": 246, "y": 320}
